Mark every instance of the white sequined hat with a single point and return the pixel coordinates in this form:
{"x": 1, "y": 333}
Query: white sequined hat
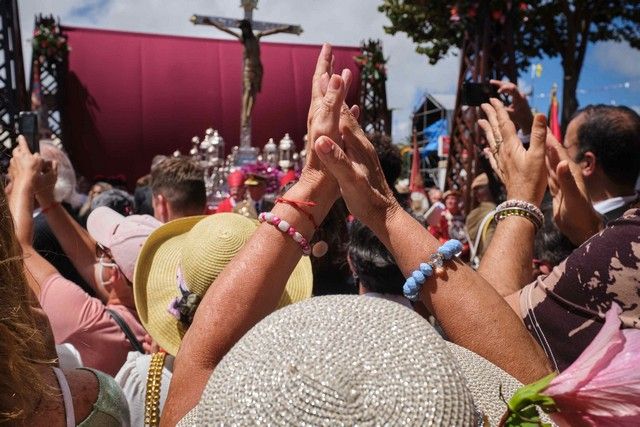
{"x": 350, "y": 360}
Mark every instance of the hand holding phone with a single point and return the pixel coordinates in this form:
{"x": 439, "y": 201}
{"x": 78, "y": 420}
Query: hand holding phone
{"x": 476, "y": 94}
{"x": 28, "y": 127}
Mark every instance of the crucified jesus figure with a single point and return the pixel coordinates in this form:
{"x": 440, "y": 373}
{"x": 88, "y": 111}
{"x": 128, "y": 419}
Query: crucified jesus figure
{"x": 252, "y": 70}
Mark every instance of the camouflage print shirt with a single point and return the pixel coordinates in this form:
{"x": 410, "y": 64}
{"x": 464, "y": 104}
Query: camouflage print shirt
{"x": 565, "y": 310}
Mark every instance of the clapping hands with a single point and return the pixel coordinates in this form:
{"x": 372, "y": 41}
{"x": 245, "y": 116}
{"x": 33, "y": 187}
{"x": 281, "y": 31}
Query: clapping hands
{"x": 573, "y": 211}
{"x": 521, "y": 170}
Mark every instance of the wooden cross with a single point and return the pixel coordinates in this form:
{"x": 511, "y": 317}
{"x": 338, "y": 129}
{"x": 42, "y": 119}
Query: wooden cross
{"x": 252, "y": 70}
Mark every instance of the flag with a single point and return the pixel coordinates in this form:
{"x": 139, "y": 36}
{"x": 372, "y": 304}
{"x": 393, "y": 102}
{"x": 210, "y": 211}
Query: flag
{"x": 554, "y": 121}
{"x": 415, "y": 181}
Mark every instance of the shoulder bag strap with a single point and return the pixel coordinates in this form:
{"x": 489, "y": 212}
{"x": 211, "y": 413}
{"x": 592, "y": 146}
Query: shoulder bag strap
{"x": 127, "y": 331}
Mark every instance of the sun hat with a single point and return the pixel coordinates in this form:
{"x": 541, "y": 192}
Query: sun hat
{"x": 347, "y": 360}
{"x": 196, "y": 249}
{"x": 123, "y": 235}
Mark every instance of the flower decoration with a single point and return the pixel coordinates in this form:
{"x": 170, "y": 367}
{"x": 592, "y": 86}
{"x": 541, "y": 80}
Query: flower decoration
{"x": 264, "y": 169}
{"x": 49, "y": 44}
{"x": 372, "y": 62}
{"x": 602, "y": 387}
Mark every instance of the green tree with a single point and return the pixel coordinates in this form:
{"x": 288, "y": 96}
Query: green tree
{"x": 561, "y": 28}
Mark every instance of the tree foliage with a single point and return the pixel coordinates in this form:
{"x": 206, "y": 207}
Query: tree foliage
{"x": 543, "y": 27}
{"x": 561, "y": 28}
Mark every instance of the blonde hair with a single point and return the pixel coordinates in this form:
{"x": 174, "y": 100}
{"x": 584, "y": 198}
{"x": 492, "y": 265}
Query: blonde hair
{"x": 22, "y": 345}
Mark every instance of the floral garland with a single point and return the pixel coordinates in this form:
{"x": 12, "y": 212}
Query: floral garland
{"x": 372, "y": 62}
{"x": 49, "y": 44}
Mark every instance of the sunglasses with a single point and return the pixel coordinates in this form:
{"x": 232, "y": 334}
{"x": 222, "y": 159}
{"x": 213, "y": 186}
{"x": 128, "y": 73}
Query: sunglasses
{"x": 102, "y": 251}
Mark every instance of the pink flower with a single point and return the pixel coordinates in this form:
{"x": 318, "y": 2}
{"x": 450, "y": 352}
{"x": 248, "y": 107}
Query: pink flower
{"x": 602, "y": 387}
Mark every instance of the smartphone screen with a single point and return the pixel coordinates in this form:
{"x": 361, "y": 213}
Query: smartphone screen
{"x": 474, "y": 94}
{"x": 28, "y": 127}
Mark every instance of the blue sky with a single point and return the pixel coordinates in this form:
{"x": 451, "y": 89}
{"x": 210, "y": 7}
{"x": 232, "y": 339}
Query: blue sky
{"x": 608, "y": 68}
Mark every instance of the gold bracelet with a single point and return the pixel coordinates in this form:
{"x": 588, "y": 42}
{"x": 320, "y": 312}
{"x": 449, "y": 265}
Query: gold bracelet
{"x": 515, "y": 211}
{"x": 152, "y": 395}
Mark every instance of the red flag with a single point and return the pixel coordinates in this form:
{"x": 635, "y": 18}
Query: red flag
{"x": 554, "y": 122}
{"x": 415, "y": 181}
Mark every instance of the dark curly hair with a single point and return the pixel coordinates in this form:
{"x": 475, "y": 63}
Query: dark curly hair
{"x": 372, "y": 263}
{"x": 389, "y": 156}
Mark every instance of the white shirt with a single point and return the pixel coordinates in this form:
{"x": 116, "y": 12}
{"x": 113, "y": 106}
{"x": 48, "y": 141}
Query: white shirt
{"x": 613, "y": 203}
{"x": 132, "y": 378}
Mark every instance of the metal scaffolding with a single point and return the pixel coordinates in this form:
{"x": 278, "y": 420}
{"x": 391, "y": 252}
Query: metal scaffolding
{"x": 13, "y": 95}
{"x": 487, "y": 53}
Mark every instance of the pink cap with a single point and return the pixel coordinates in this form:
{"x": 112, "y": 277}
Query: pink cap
{"x": 123, "y": 235}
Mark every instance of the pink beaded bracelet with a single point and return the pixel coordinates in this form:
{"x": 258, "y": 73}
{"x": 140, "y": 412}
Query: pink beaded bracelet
{"x": 286, "y": 228}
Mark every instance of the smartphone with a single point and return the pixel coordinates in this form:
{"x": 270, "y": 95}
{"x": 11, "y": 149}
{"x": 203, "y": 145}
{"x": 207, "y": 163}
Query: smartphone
{"x": 474, "y": 94}
{"x": 28, "y": 127}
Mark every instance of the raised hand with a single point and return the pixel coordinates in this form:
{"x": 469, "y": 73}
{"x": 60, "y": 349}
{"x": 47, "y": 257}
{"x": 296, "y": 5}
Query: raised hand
{"x": 24, "y": 167}
{"x": 519, "y": 110}
{"x": 522, "y": 171}
{"x": 357, "y": 169}
{"x": 45, "y": 183}
{"x": 573, "y": 212}
{"x": 328, "y": 93}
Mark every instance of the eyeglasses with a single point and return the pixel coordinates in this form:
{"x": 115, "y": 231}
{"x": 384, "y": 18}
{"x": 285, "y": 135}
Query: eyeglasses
{"x": 102, "y": 251}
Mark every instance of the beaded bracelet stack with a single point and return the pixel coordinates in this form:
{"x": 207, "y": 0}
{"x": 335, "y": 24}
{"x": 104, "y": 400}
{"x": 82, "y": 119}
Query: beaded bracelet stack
{"x": 286, "y": 228}
{"x": 522, "y": 209}
{"x": 413, "y": 284}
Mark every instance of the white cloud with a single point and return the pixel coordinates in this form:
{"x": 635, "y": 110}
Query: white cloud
{"x": 618, "y": 57}
{"x": 335, "y": 21}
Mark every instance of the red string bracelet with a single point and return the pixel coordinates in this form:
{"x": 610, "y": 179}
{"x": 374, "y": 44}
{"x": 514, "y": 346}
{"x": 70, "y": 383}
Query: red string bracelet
{"x": 298, "y": 204}
{"x": 319, "y": 248}
{"x": 51, "y": 206}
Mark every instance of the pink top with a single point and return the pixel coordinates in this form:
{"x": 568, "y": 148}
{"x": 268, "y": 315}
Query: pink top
{"x": 83, "y": 321}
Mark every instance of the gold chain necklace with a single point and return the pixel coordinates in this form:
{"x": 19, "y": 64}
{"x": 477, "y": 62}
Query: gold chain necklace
{"x": 152, "y": 396}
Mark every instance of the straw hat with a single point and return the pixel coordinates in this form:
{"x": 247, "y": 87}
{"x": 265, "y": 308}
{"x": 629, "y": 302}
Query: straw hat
{"x": 199, "y": 247}
{"x": 347, "y": 360}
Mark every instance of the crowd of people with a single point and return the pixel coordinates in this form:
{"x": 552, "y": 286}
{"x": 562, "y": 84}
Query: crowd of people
{"x": 337, "y": 301}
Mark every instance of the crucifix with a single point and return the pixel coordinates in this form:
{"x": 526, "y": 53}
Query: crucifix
{"x": 252, "y": 69}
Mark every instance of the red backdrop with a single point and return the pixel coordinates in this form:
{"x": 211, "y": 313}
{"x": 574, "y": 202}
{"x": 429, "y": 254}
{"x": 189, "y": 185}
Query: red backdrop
{"x": 131, "y": 96}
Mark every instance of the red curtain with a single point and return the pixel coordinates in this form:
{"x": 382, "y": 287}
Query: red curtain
{"x": 131, "y": 96}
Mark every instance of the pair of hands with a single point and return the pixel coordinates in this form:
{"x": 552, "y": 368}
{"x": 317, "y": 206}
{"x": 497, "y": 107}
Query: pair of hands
{"x": 527, "y": 172}
{"x": 31, "y": 173}
{"x": 340, "y": 157}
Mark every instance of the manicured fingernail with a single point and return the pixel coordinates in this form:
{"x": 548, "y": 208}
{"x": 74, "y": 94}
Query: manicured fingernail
{"x": 324, "y": 144}
{"x": 325, "y": 49}
{"x": 334, "y": 83}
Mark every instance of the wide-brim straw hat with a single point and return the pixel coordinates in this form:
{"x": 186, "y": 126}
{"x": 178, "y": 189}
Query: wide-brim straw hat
{"x": 200, "y": 247}
{"x": 347, "y": 360}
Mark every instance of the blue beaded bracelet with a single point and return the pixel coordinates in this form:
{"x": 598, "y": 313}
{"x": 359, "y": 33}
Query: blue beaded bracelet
{"x": 412, "y": 286}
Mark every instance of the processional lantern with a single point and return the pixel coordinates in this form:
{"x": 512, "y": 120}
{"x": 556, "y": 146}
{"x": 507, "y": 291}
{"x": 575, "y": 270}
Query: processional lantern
{"x": 195, "y": 148}
{"x": 270, "y": 153}
{"x": 216, "y": 148}
{"x": 286, "y": 150}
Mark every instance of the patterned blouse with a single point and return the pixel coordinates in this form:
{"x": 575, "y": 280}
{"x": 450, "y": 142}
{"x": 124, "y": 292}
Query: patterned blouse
{"x": 565, "y": 310}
